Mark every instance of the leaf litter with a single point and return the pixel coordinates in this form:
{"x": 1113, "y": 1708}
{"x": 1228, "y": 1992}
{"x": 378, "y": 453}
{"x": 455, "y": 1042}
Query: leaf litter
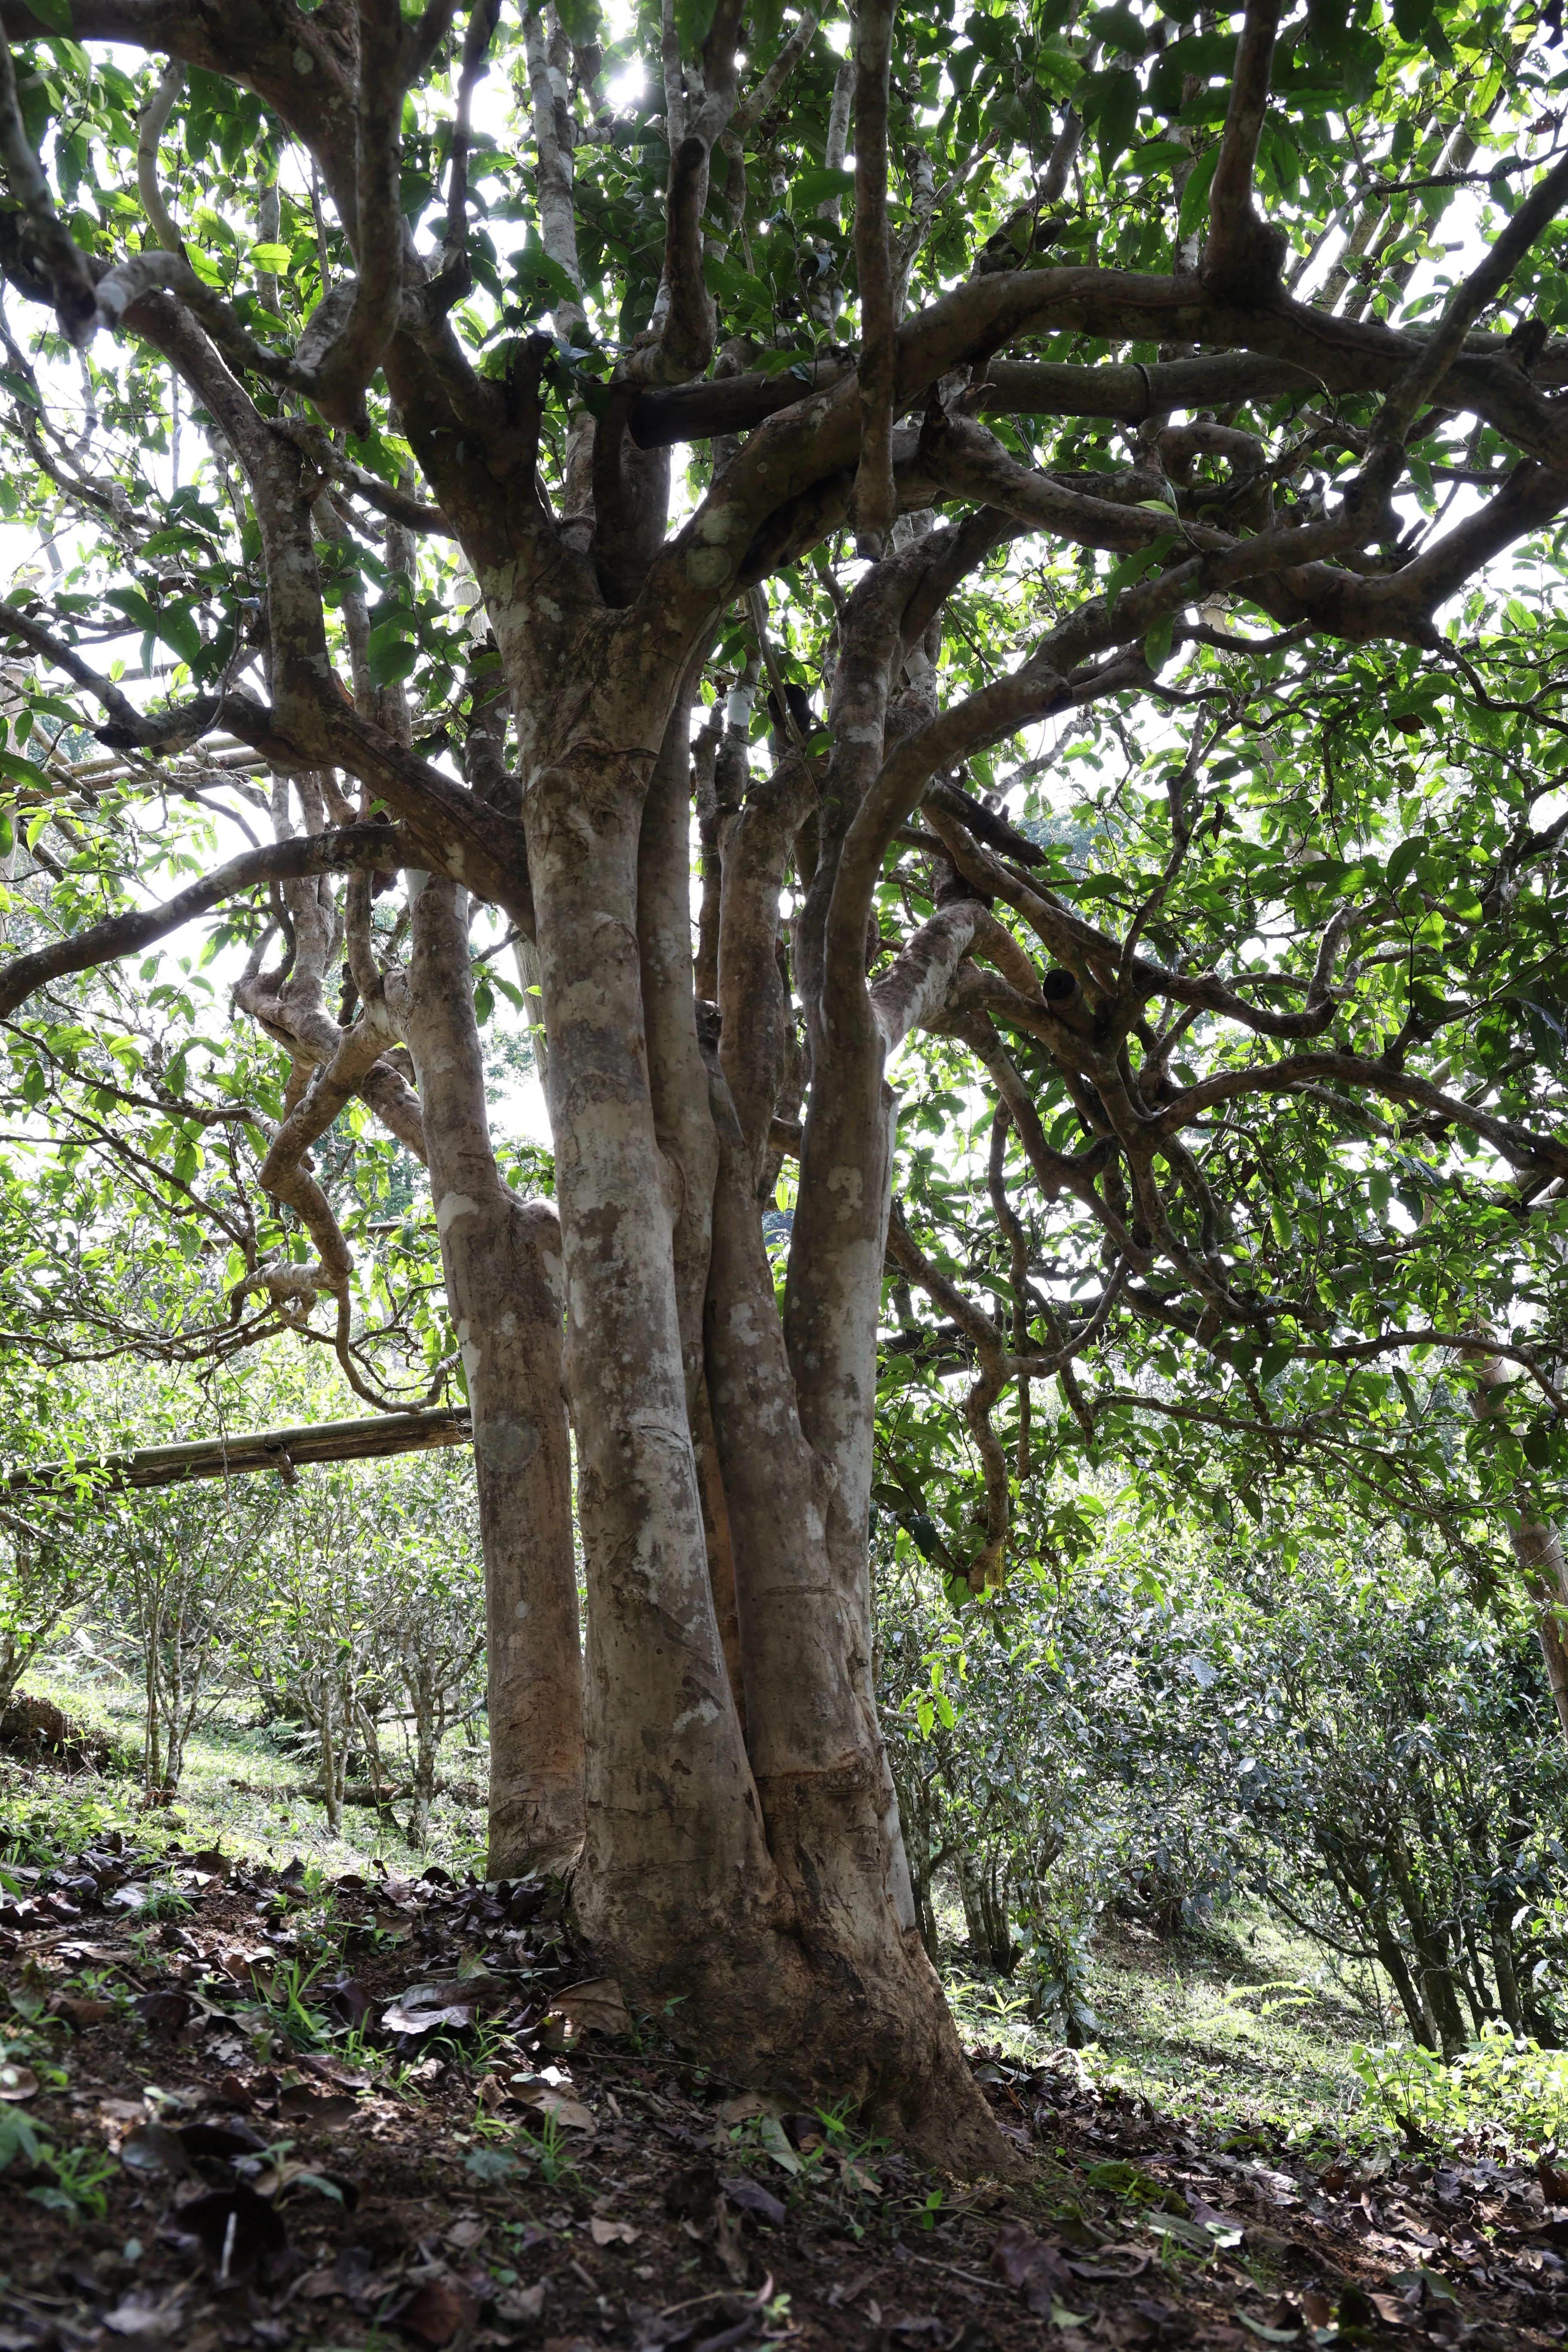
{"x": 408, "y": 2111}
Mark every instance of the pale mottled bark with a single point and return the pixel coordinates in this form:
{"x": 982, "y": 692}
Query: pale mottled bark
{"x": 677, "y": 1077}
{"x": 811, "y": 1723}
{"x": 502, "y": 1265}
{"x": 674, "y": 1830}
{"x": 753, "y": 998}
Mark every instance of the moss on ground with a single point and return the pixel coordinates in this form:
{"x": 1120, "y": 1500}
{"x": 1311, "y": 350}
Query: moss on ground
{"x": 1238, "y": 2026}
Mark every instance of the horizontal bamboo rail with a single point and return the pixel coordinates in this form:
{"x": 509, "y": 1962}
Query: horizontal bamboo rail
{"x": 283, "y": 1450}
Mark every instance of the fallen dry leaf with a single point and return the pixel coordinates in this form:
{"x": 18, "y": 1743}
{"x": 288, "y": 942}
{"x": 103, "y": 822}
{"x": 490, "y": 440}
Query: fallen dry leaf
{"x": 437, "y": 2311}
{"x": 744, "y": 2105}
{"x": 520, "y": 2303}
{"x": 140, "y": 2315}
{"x": 164, "y": 2011}
{"x": 79, "y": 2013}
{"x": 456, "y": 2018}
{"x": 333, "y": 2070}
{"x": 595, "y": 2006}
{"x": 751, "y": 2196}
{"x": 239, "y": 1960}
{"x": 612, "y": 2233}
{"x": 154, "y": 2148}
{"x": 1038, "y": 2271}
{"x": 238, "y": 2232}
{"x": 17, "y": 2081}
{"x": 330, "y": 2111}
{"x": 570, "y": 2114}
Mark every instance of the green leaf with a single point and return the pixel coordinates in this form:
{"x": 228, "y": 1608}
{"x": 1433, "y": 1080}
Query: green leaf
{"x": 1128, "y": 568}
{"x": 133, "y": 605}
{"x": 1119, "y": 28}
{"x": 273, "y": 259}
{"x": 1118, "y": 120}
{"x": 776, "y": 2139}
{"x": 54, "y": 14}
{"x": 1195, "y": 195}
{"x": 17, "y": 770}
{"x": 19, "y": 388}
{"x": 1157, "y": 643}
{"x": 693, "y": 21}
{"x": 390, "y": 653}
{"x": 580, "y": 21}
{"x": 541, "y": 282}
{"x": 318, "y": 2181}
{"x": 815, "y": 187}
{"x": 1402, "y": 864}
{"x": 1412, "y": 17}
{"x": 177, "y": 629}
{"x": 18, "y": 2137}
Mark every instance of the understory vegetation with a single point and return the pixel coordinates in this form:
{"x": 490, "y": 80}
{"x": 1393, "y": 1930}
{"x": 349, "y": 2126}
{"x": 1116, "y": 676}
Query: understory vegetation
{"x": 1265, "y": 1828}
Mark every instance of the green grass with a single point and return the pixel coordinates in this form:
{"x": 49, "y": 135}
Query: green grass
{"x": 261, "y": 1821}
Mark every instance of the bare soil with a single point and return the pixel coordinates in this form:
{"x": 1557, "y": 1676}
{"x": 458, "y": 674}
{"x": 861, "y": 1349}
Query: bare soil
{"x": 411, "y": 2111}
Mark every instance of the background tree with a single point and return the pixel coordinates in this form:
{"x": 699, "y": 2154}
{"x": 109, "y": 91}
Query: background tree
{"x": 43, "y": 1580}
{"x": 1212, "y": 522}
{"x": 1337, "y": 1725}
{"x": 181, "y": 1571}
{"x": 369, "y": 1614}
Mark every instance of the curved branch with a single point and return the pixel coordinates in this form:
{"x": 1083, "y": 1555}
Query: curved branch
{"x": 59, "y": 257}
{"x": 153, "y": 123}
{"x": 1241, "y": 258}
{"x": 367, "y": 845}
{"x": 1516, "y": 1144}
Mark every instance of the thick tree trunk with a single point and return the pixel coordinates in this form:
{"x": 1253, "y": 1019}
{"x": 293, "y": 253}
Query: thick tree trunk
{"x": 500, "y": 1261}
{"x": 755, "y": 1881}
{"x": 675, "y": 1881}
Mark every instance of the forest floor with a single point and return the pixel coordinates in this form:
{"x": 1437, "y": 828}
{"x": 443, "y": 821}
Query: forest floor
{"x": 292, "y": 2093}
